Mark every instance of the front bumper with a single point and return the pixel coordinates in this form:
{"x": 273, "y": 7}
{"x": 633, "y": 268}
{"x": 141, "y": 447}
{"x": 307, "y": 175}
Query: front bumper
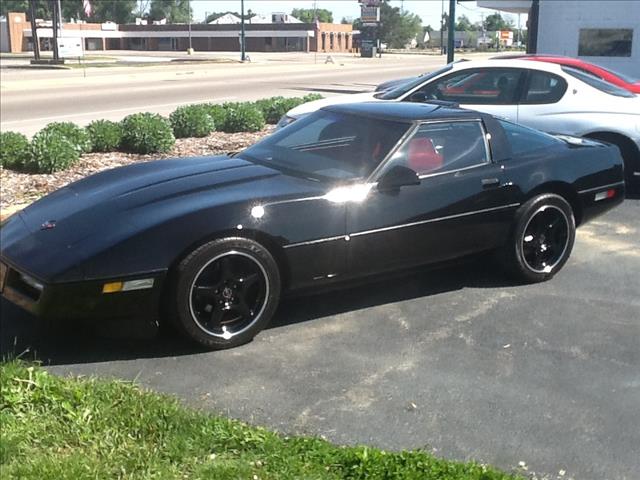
{"x": 80, "y": 300}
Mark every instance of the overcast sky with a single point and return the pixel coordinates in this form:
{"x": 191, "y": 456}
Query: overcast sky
{"x": 429, "y": 10}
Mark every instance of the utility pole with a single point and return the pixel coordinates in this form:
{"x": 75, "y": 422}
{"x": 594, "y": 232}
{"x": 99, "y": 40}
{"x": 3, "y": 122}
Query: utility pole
{"x": 34, "y": 30}
{"x": 243, "y": 55}
{"x": 442, "y": 27}
{"x": 451, "y": 30}
{"x": 54, "y": 24}
{"x": 190, "y": 46}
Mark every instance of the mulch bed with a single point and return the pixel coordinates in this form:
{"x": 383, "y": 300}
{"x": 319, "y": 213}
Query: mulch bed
{"x": 19, "y": 189}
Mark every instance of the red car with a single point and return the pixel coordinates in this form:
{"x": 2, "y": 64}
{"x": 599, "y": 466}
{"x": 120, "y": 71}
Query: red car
{"x": 619, "y": 79}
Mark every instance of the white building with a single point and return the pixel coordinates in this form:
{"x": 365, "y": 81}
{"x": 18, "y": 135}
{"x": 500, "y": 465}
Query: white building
{"x": 606, "y": 33}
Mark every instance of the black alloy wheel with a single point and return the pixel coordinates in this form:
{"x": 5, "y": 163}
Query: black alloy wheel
{"x": 542, "y": 238}
{"x": 226, "y": 292}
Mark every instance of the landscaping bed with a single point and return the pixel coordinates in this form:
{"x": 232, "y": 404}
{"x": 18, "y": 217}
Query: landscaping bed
{"x": 21, "y": 188}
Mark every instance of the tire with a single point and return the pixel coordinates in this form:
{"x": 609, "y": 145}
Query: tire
{"x": 541, "y": 240}
{"x": 226, "y": 292}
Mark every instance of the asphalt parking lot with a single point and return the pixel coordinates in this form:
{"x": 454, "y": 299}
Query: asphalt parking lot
{"x": 458, "y": 361}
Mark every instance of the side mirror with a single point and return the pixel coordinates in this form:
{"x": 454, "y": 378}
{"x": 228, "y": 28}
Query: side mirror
{"x": 418, "y": 97}
{"x": 398, "y": 176}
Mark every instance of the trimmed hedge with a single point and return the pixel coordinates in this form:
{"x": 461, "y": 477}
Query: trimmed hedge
{"x": 242, "y": 117}
{"x": 275, "y": 107}
{"x": 105, "y": 135}
{"x": 51, "y": 151}
{"x": 191, "y": 121}
{"x": 77, "y": 136}
{"x": 146, "y": 133}
{"x": 14, "y": 149}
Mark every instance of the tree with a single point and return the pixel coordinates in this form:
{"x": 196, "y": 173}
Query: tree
{"x": 175, "y": 11}
{"x": 464, "y": 24}
{"x": 398, "y": 28}
{"x": 495, "y": 22}
{"x": 308, "y": 15}
{"x": 347, "y": 21}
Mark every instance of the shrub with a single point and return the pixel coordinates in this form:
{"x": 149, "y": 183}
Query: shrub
{"x": 77, "y": 136}
{"x": 275, "y": 107}
{"x": 191, "y": 121}
{"x": 14, "y": 149}
{"x": 51, "y": 151}
{"x": 217, "y": 113}
{"x": 105, "y": 136}
{"x": 146, "y": 133}
{"x": 242, "y": 117}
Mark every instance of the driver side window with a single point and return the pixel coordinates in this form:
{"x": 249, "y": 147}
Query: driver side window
{"x": 443, "y": 147}
{"x": 489, "y": 86}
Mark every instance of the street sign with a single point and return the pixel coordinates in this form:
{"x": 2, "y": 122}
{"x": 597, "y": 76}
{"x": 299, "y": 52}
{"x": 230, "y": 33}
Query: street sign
{"x": 70, "y": 47}
{"x": 369, "y": 14}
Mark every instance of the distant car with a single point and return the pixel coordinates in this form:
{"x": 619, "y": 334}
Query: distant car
{"x": 347, "y": 192}
{"x": 621, "y": 80}
{"x": 546, "y": 96}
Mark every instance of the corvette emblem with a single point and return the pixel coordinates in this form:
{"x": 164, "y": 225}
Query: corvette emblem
{"x": 48, "y": 225}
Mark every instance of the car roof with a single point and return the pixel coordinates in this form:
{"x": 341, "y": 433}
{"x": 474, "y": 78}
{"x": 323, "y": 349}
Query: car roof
{"x": 406, "y": 112}
{"x": 508, "y": 63}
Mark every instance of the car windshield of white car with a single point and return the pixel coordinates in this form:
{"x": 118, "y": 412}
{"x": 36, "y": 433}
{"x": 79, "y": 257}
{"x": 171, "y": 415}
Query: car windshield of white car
{"x": 411, "y": 84}
{"x": 329, "y": 145}
{"x": 597, "y": 83}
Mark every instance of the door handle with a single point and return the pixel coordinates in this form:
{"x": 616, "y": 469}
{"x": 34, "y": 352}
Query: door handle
{"x": 490, "y": 182}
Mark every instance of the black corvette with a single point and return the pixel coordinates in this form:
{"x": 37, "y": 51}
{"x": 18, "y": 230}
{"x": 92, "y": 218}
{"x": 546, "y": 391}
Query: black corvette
{"x": 212, "y": 243}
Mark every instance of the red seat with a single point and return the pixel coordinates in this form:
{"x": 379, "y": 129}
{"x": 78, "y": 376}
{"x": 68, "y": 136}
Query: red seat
{"x": 422, "y": 155}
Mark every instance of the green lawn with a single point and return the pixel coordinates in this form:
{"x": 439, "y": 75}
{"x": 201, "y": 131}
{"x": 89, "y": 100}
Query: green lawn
{"x": 55, "y": 428}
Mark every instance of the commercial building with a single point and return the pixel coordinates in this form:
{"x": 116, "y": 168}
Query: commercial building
{"x": 606, "y": 33}
{"x": 276, "y": 34}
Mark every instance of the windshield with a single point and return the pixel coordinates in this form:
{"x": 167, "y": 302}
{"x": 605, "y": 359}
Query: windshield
{"x": 411, "y": 84}
{"x": 595, "y": 82}
{"x": 329, "y": 146}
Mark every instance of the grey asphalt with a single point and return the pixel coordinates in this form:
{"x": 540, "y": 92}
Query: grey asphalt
{"x": 459, "y": 361}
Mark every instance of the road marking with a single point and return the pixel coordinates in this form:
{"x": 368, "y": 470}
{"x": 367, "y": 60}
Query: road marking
{"x": 115, "y": 110}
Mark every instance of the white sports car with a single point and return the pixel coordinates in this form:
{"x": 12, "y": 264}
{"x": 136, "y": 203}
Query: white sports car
{"x": 545, "y": 96}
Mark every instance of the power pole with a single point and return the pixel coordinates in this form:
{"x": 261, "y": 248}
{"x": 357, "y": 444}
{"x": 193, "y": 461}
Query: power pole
{"x": 34, "y": 30}
{"x": 54, "y": 24}
{"x": 190, "y": 46}
{"x": 442, "y": 27}
{"x": 243, "y": 55}
{"x": 451, "y": 30}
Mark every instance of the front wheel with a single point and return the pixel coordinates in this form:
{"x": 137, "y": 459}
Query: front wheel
{"x": 542, "y": 238}
{"x": 226, "y": 292}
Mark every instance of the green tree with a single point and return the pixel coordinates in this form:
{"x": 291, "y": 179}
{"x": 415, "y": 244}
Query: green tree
{"x": 119, "y": 11}
{"x": 464, "y": 24}
{"x": 398, "y": 28}
{"x": 347, "y": 21}
{"x": 42, "y": 7}
{"x": 308, "y": 15}
{"x": 495, "y": 22}
{"x": 175, "y": 11}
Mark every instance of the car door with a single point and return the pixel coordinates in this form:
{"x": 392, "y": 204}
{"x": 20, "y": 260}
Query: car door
{"x": 491, "y": 90}
{"x": 458, "y": 207}
{"x": 543, "y": 95}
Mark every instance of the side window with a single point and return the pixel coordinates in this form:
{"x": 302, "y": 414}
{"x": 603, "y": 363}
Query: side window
{"x": 544, "y": 87}
{"x": 443, "y": 147}
{"x": 490, "y": 86}
{"x": 524, "y": 140}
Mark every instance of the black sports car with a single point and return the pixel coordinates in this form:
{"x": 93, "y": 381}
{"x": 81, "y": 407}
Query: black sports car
{"x": 349, "y": 191}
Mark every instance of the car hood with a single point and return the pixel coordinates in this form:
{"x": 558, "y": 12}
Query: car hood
{"x": 310, "y": 107}
{"x": 99, "y": 211}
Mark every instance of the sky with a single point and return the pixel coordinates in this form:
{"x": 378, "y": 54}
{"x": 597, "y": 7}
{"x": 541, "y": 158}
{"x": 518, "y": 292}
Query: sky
{"x": 429, "y": 10}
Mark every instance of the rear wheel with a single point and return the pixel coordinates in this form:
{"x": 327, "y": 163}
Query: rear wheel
{"x": 226, "y": 292}
{"x": 542, "y": 238}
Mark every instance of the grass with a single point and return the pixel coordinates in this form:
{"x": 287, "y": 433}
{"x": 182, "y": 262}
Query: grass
{"x": 63, "y": 428}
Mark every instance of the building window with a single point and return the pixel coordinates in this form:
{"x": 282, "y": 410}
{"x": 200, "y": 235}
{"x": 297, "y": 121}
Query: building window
{"x": 605, "y": 42}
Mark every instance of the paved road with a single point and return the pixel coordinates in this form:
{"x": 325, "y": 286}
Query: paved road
{"x": 30, "y": 99}
{"x": 457, "y": 361}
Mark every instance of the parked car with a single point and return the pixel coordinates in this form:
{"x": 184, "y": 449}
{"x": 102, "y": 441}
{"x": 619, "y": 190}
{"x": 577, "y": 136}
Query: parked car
{"x": 546, "y": 96}
{"x": 347, "y": 192}
{"x": 620, "y": 79}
